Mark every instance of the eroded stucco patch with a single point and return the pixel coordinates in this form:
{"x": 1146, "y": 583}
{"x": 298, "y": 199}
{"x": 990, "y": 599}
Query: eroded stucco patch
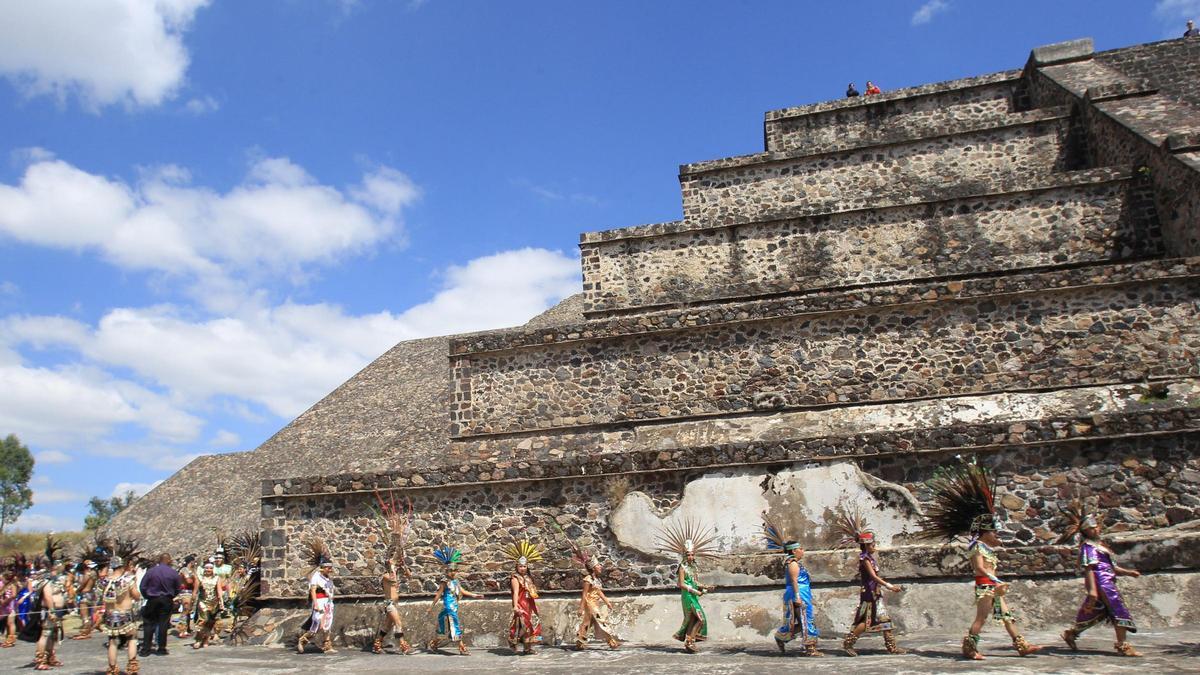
{"x": 800, "y": 498}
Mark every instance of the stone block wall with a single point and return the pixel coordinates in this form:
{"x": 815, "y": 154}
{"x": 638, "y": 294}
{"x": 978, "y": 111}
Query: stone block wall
{"x": 933, "y": 110}
{"x": 1090, "y": 216}
{"x": 1136, "y": 108}
{"x": 963, "y": 346}
{"x": 1143, "y": 484}
{"x": 1173, "y": 65}
{"x": 753, "y": 189}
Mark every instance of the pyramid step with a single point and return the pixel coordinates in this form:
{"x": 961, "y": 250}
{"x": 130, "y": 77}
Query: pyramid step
{"x": 763, "y": 187}
{"x": 1087, "y": 326}
{"x": 929, "y": 110}
{"x": 1067, "y": 219}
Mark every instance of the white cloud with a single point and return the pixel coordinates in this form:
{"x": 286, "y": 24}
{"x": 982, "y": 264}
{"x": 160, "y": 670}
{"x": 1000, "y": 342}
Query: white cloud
{"x": 159, "y": 457}
{"x": 103, "y": 51}
{"x": 138, "y": 489}
{"x": 283, "y": 358}
{"x": 53, "y": 496}
{"x": 41, "y": 522}
{"x": 495, "y": 291}
{"x": 9, "y": 289}
{"x": 58, "y": 406}
{"x": 1173, "y": 13}
{"x": 549, "y": 194}
{"x": 276, "y": 221}
{"x": 927, "y": 11}
{"x": 202, "y": 105}
{"x": 52, "y": 457}
{"x": 225, "y": 439}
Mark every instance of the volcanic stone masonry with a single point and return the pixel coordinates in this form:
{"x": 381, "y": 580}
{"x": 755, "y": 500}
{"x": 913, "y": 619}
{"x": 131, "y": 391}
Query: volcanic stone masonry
{"x": 1005, "y": 266}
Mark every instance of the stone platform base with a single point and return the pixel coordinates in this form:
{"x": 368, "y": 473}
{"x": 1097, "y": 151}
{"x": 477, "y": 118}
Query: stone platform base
{"x": 747, "y": 616}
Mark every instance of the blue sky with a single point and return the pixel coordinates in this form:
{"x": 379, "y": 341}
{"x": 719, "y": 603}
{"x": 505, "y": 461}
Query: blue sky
{"x": 213, "y": 212}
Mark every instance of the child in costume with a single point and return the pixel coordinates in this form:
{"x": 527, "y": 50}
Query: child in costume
{"x": 1103, "y": 601}
{"x": 797, "y": 592}
{"x": 320, "y": 595}
{"x": 963, "y": 504}
{"x": 872, "y": 614}
{"x": 449, "y": 593}
{"x": 689, "y": 541}
{"x": 594, "y": 605}
{"x": 526, "y": 626}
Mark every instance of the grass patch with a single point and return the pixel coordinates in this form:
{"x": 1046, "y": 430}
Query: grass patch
{"x": 33, "y": 543}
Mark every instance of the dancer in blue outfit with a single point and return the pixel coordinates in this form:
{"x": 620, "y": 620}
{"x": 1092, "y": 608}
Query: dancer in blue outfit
{"x": 449, "y": 593}
{"x": 797, "y": 592}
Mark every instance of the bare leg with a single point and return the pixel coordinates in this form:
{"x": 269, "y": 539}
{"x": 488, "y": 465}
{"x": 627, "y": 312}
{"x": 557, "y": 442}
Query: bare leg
{"x": 131, "y": 659}
{"x": 970, "y": 645}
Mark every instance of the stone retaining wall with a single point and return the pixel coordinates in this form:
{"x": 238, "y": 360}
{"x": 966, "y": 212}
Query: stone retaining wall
{"x": 1140, "y": 482}
{"x": 963, "y": 104}
{"x": 754, "y": 189}
{"x": 1079, "y": 335}
{"x": 1098, "y": 215}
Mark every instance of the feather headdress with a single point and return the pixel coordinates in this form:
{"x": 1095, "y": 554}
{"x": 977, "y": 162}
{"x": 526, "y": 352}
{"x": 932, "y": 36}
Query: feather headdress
{"x": 682, "y": 538}
{"x": 244, "y": 547}
{"x": 447, "y": 555}
{"x": 393, "y": 519}
{"x": 578, "y": 554}
{"x": 127, "y": 549}
{"x": 523, "y": 552}
{"x": 318, "y": 554}
{"x": 54, "y": 548}
{"x": 19, "y": 565}
{"x": 94, "y": 550}
{"x": 222, "y": 545}
{"x": 1079, "y": 518}
{"x": 850, "y": 528}
{"x": 776, "y": 541}
{"x": 963, "y": 502}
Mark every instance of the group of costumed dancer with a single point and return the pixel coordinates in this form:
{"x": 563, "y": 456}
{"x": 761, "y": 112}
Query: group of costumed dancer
{"x": 101, "y": 584}
{"x": 36, "y": 595}
{"x": 962, "y": 505}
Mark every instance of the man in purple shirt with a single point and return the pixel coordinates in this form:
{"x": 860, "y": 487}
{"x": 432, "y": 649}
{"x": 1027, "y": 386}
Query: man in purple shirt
{"x": 159, "y": 587}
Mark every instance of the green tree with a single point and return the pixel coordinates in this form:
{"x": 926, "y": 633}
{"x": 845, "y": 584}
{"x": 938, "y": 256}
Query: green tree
{"x": 103, "y": 510}
{"x": 16, "y": 468}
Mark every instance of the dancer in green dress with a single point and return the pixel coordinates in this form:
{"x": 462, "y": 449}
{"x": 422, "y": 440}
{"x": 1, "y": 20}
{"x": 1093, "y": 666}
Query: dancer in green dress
{"x": 690, "y": 541}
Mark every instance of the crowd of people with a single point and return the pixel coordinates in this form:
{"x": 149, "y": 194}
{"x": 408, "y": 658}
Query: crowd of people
{"x": 113, "y": 588}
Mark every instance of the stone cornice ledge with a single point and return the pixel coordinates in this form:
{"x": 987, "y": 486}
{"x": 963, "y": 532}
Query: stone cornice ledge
{"x": 485, "y": 468}
{"x": 834, "y": 301}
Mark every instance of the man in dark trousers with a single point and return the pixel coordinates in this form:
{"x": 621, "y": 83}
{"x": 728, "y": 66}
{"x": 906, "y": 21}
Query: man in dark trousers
{"x": 159, "y": 587}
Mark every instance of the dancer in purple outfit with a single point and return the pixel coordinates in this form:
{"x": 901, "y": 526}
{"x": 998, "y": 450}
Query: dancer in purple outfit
{"x": 1103, "y": 601}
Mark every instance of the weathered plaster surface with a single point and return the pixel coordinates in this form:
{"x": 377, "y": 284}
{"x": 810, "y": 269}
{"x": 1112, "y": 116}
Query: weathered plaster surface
{"x": 800, "y": 500}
